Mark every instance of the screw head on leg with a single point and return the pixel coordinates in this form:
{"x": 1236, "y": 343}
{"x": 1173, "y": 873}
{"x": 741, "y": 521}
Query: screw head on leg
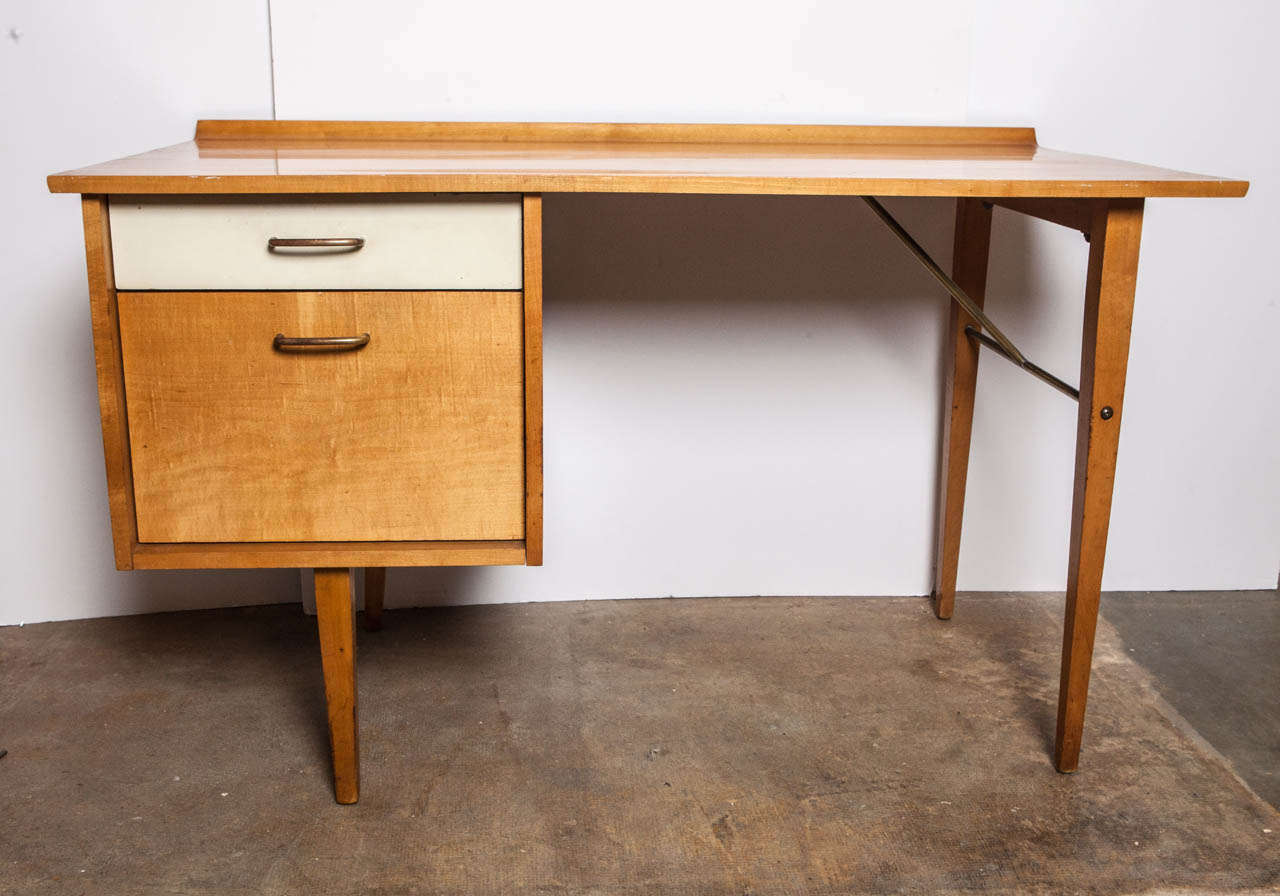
{"x": 1106, "y": 413}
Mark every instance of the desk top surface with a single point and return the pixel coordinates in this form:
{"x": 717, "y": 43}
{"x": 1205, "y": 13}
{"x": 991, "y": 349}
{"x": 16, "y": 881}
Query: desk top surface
{"x": 411, "y": 157}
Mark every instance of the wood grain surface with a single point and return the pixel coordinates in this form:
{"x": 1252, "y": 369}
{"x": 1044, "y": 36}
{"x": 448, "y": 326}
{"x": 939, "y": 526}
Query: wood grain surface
{"x": 969, "y": 270}
{"x": 1108, "y": 319}
{"x": 392, "y": 157}
{"x": 533, "y": 379}
{"x": 417, "y": 436}
{"x": 292, "y": 555}
{"x": 335, "y": 621}
{"x": 375, "y": 589}
{"x": 104, "y": 314}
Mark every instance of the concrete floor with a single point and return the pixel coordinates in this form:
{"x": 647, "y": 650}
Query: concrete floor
{"x": 1215, "y": 656}
{"x": 717, "y": 746}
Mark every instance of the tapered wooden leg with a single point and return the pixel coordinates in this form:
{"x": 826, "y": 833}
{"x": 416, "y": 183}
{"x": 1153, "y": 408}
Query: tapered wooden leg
{"x": 375, "y": 587}
{"x": 1108, "y": 318}
{"x": 969, "y": 270}
{"x": 335, "y": 616}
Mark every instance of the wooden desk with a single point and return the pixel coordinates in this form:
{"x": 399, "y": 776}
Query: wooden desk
{"x": 376, "y": 400}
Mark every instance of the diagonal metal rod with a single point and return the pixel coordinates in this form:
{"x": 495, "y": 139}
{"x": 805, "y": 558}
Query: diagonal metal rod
{"x": 952, "y": 287}
{"x": 1034, "y": 369}
{"x": 997, "y": 341}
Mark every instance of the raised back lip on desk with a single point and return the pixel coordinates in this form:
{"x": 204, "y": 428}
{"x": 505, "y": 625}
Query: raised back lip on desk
{"x": 254, "y": 157}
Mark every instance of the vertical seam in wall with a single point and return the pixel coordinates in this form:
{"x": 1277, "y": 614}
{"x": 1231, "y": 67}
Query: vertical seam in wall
{"x": 271, "y": 59}
{"x": 971, "y": 40}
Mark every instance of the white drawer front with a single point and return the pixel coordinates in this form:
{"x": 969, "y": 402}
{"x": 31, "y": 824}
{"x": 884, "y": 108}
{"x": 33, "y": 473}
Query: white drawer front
{"x": 451, "y": 242}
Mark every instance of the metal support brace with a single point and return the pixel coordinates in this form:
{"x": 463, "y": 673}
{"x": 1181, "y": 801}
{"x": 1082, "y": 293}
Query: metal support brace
{"x": 1035, "y": 370}
{"x": 997, "y": 341}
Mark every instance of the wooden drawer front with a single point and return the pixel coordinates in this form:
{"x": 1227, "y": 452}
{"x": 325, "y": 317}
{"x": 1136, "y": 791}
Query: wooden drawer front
{"x": 417, "y": 436}
{"x": 421, "y": 242}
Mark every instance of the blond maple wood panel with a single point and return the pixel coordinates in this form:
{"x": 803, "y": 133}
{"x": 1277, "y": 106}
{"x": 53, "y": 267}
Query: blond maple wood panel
{"x": 335, "y": 622}
{"x": 372, "y": 157}
{"x": 1074, "y": 213}
{"x": 278, "y": 555}
{"x": 1108, "y": 320}
{"x": 213, "y": 130}
{"x": 417, "y": 436}
{"x": 533, "y": 379}
{"x": 969, "y": 270}
{"x": 104, "y": 314}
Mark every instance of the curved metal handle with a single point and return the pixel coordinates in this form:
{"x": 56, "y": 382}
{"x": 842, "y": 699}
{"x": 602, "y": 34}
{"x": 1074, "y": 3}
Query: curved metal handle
{"x": 283, "y": 343}
{"x": 343, "y": 243}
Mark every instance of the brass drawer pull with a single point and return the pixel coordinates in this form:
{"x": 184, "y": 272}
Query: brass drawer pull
{"x": 283, "y": 343}
{"x": 343, "y": 243}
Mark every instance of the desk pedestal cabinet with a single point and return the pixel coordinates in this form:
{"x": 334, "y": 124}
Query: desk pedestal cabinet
{"x": 322, "y": 428}
{"x": 319, "y": 344}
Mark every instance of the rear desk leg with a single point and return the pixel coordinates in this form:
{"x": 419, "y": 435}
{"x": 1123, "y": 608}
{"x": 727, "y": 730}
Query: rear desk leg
{"x": 335, "y": 617}
{"x": 375, "y": 587}
{"x": 969, "y": 270}
{"x": 1108, "y": 318}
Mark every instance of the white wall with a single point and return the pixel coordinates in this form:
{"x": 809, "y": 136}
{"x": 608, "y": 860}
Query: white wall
{"x": 82, "y": 83}
{"x": 1187, "y": 85}
{"x": 742, "y": 394}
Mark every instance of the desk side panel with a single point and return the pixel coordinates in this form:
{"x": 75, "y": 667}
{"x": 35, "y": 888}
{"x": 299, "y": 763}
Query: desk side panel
{"x": 105, "y": 315}
{"x": 533, "y": 379}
